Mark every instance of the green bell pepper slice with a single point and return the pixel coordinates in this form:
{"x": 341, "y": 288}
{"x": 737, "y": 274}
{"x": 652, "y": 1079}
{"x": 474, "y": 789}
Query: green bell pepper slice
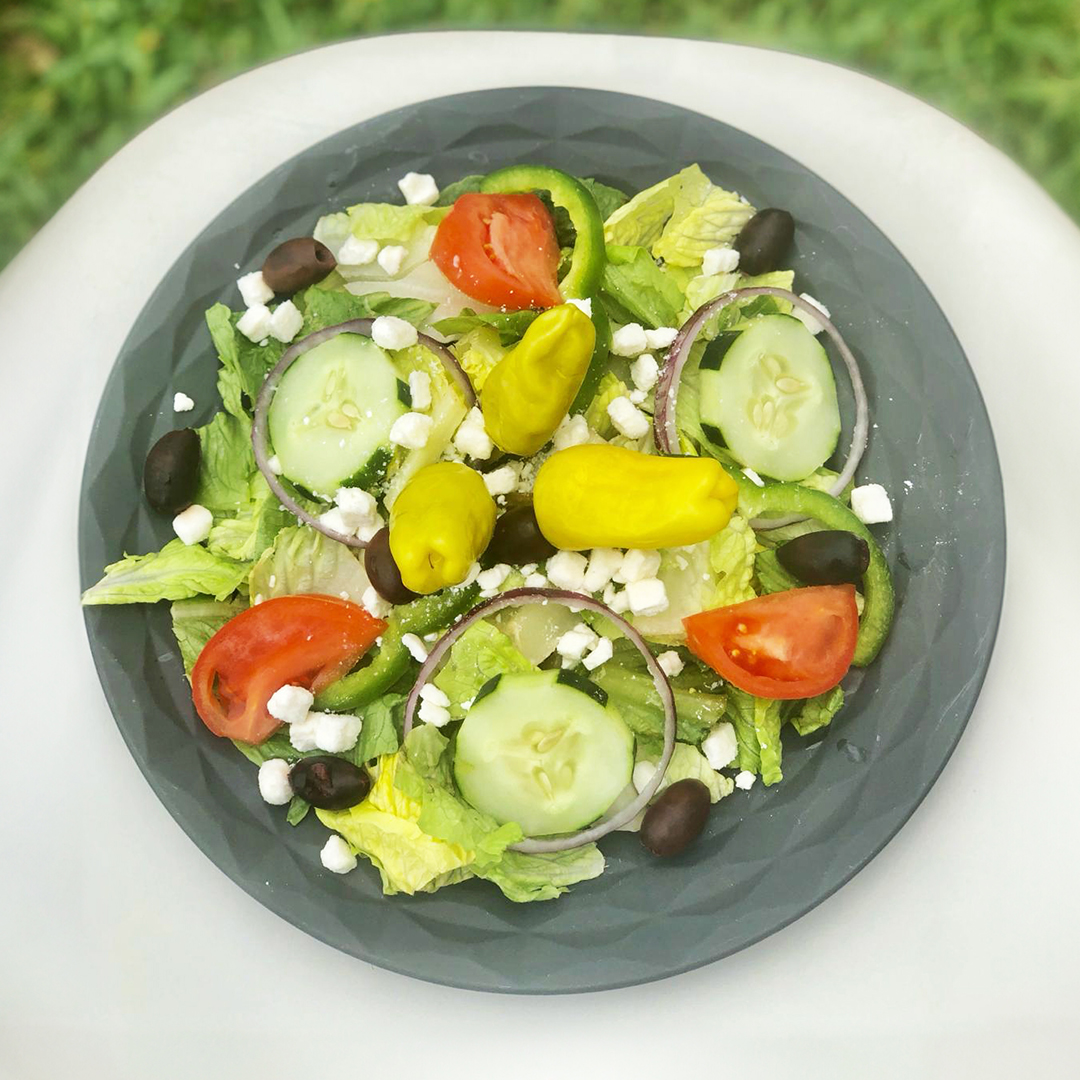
{"x": 392, "y": 660}
{"x": 582, "y": 279}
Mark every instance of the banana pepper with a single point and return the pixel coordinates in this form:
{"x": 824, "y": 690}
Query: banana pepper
{"x": 530, "y": 390}
{"x": 440, "y": 525}
{"x": 598, "y": 495}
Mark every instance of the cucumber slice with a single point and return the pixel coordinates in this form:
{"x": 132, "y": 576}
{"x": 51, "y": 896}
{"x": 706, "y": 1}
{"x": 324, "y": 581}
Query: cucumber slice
{"x": 330, "y": 419}
{"x": 769, "y": 394}
{"x": 545, "y": 750}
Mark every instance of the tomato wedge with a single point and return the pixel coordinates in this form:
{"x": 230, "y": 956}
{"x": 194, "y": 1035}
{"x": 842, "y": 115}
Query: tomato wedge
{"x": 792, "y": 644}
{"x": 302, "y": 640}
{"x": 500, "y": 250}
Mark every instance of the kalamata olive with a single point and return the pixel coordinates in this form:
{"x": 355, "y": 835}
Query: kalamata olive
{"x": 676, "y": 819}
{"x": 764, "y": 240}
{"x": 831, "y": 557}
{"x": 382, "y": 571}
{"x": 296, "y": 264}
{"x": 330, "y": 783}
{"x": 517, "y": 539}
{"x": 171, "y": 473}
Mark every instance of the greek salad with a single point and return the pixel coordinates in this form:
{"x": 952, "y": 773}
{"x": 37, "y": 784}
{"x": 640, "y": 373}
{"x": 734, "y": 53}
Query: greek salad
{"x": 526, "y": 516}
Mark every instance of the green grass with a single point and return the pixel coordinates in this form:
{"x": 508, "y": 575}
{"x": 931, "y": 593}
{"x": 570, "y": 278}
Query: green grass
{"x": 78, "y": 78}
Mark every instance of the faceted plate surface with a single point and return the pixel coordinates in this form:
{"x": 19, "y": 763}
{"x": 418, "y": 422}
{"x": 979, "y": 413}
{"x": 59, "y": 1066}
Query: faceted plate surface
{"x": 769, "y": 856}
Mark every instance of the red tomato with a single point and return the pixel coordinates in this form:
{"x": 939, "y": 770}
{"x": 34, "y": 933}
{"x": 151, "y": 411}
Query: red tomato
{"x": 792, "y": 644}
{"x": 500, "y": 250}
{"x": 302, "y": 640}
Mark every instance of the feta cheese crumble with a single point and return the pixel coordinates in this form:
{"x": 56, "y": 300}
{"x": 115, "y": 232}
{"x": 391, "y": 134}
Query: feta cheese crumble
{"x": 637, "y": 565}
{"x": 603, "y": 563}
{"x": 629, "y": 340}
{"x": 572, "y": 431}
{"x": 647, "y": 597}
{"x": 870, "y": 504}
{"x": 601, "y": 654}
{"x": 357, "y": 252}
{"x": 645, "y": 371}
{"x": 670, "y": 663}
{"x": 420, "y": 390}
{"x": 574, "y": 644}
{"x": 253, "y": 289}
{"x": 337, "y": 856}
{"x": 390, "y": 332}
{"x": 719, "y": 260}
{"x": 566, "y": 570}
{"x": 744, "y": 780}
{"x": 720, "y": 746}
{"x": 417, "y": 649}
{"x": 391, "y": 258}
{"x": 662, "y": 338}
{"x": 628, "y": 419}
{"x": 274, "y": 784}
{"x": 411, "y": 430}
{"x": 254, "y": 324}
{"x": 809, "y": 321}
{"x": 374, "y": 604}
{"x": 500, "y": 481}
{"x": 182, "y": 403}
{"x": 290, "y": 704}
{"x": 419, "y": 189}
{"x": 193, "y": 524}
{"x": 336, "y": 732}
{"x": 471, "y": 438}
{"x": 285, "y": 322}
{"x": 584, "y": 305}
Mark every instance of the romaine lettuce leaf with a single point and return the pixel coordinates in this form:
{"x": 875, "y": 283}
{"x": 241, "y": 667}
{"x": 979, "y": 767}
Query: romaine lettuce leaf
{"x": 226, "y": 464}
{"x": 481, "y": 653}
{"x": 478, "y": 352}
{"x": 524, "y": 878}
{"x": 246, "y": 536}
{"x": 511, "y": 325}
{"x": 703, "y": 288}
{"x": 731, "y": 559}
{"x": 176, "y": 572}
{"x": 196, "y": 621}
{"x": 244, "y": 363}
{"x": 608, "y": 199}
{"x": 704, "y": 216}
{"x": 328, "y": 307}
{"x": 817, "y": 712}
{"x": 303, "y": 560}
{"x": 381, "y": 731}
{"x": 770, "y": 576}
{"x": 448, "y": 194}
{"x": 757, "y": 723}
{"x": 640, "y": 287}
{"x": 689, "y": 763}
{"x": 596, "y": 415}
{"x": 641, "y": 220}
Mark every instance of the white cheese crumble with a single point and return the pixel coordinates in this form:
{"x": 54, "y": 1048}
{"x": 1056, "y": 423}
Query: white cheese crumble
{"x": 490, "y": 580}
{"x": 430, "y": 692}
{"x": 337, "y": 856}
{"x": 753, "y": 477}
{"x": 501, "y": 481}
{"x": 645, "y": 371}
{"x": 391, "y": 258}
{"x": 336, "y": 732}
{"x": 572, "y": 431}
{"x": 601, "y": 654}
{"x": 302, "y": 732}
{"x": 419, "y": 189}
{"x": 583, "y": 305}
{"x": 744, "y": 780}
{"x": 671, "y": 663}
{"x": 628, "y": 419}
{"x": 603, "y": 563}
{"x": 274, "y": 784}
{"x": 357, "y": 505}
{"x": 411, "y": 430}
{"x": 566, "y": 570}
{"x": 182, "y": 403}
{"x": 430, "y": 713}
{"x": 574, "y": 644}
{"x": 374, "y": 604}
{"x": 536, "y": 581}
{"x": 719, "y": 260}
{"x": 286, "y": 321}
{"x": 647, "y": 597}
{"x": 811, "y": 324}
{"x": 390, "y": 332}
{"x": 254, "y": 324}
{"x": 637, "y": 565}
{"x": 662, "y": 338}
{"x": 471, "y": 438}
{"x": 720, "y": 746}
{"x": 420, "y": 390}
{"x": 417, "y": 649}
{"x": 870, "y": 504}
{"x": 290, "y": 704}
{"x": 357, "y": 252}
{"x": 253, "y": 289}
{"x": 629, "y": 340}
{"x": 193, "y": 524}
{"x": 337, "y": 520}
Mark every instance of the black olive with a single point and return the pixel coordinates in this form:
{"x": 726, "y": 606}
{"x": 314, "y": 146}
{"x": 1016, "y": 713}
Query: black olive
{"x": 171, "y": 473}
{"x": 328, "y": 782}
{"x": 831, "y": 557}
{"x": 296, "y": 264}
{"x": 676, "y": 819}
{"x": 382, "y": 571}
{"x": 517, "y": 539}
{"x": 764, "y": 240}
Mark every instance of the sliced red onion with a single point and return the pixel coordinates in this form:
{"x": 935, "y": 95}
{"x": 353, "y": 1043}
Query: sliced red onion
{"x": 259, "y": 434}
{"x": 574, "y": 601}
{"x": 665, "y": 428}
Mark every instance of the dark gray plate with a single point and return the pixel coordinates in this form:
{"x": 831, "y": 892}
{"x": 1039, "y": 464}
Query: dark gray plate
{"x": 768, "y": 857}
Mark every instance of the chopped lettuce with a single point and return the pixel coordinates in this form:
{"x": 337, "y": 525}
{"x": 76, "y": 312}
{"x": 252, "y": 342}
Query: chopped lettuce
{"x": 689, "y": 763}
{"x": 303, "y": 560}
{"x": 611, "y": 387}
{"x": 641, "y": 288}
{"x": 703, "y": 288}
{"x": 524, "y": 878}
{"x": 478, "y": 352}
{"x": 817, "y": 712}
{"x": 731, "y": 559}
{"x": 381, "y": 731}
{"x": 448, "y": 194}
{"x": 389, "y": 223}
{"x": 704, "y": 216}
{"x": 757, "y": 723}
{"x": 244, "y": 364}
{"x": 328, "y": 307}
{"x": 481, "y": 653}
{"x": 534, "y": 629}
{"x": 226, "y": 464}
{"x": 247, "y": 535}
{"x": 196, "y": 621}
{"x": 608, "y": 199}
{"x": 640, "y": 221}
{"x": 511, "y": 325}
{"x": 176, "y": 572}
{"x": 770, "y": 576}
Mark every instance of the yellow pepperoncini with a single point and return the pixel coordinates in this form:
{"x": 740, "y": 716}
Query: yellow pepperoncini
{"x": 527, "y": 393}
{"x": 598, "y": 495}
{"x": 440, "y": 525}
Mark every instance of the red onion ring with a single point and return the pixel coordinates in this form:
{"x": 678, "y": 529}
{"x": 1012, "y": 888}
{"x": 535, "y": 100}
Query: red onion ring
{"x": 665, "y": 429}
{"x": 577, "y": 601}
{"x": 259, "y": 435}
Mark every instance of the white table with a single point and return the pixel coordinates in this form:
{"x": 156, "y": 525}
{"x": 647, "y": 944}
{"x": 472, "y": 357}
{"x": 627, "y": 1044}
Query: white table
{"x": 125, "y": 953}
